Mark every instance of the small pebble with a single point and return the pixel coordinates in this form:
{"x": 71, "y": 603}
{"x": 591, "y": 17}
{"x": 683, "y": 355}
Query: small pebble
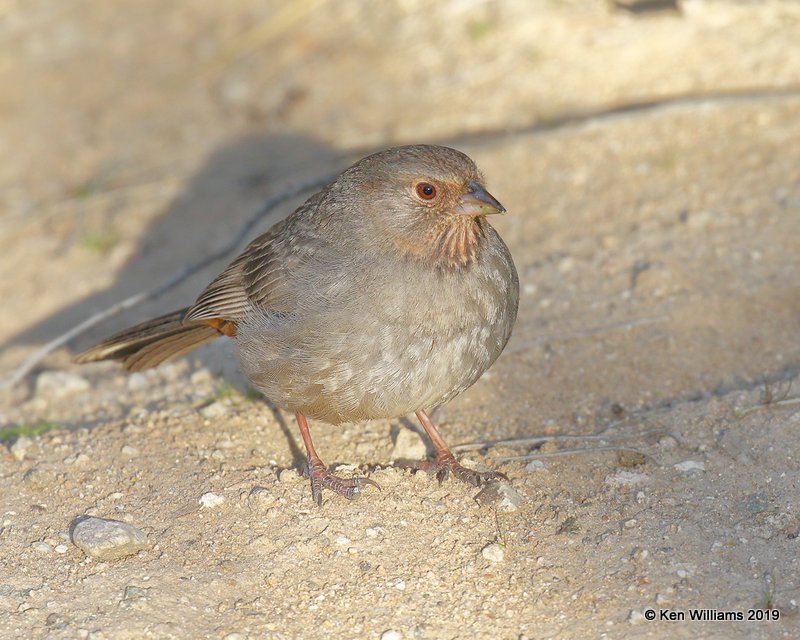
{"x": 42, "y": 547}
{"x": 210, "y": 500}
{"x": 535, "y": 465}
{"x": 61, "y": 548}
{"x": 260, "y": 497}
{"x": 133, "y": 596}
{"x": 128, "y": 450}
{"x": 288, "y": 475}
{"x": 636, "y": 617}
{"x": 105, "y": 540}
{"x": 690, "y": 465}
{"x": 408, "y": 446}
{"x": 60, "y": 384}
{"x": 22, "y": 447}
{"x": 500, "y": 496}
{"x": 493, "y": 552}
{"x": 53, "y": 619}
{"x": 391, "y": 634}
{"x": 215, "y": 410}
{"x": 137, "y": 381}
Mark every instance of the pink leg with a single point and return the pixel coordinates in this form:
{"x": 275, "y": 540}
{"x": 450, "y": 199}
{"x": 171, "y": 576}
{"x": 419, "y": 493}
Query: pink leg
{"x": 320, "y": 477}
{"x": 444, "y": 463}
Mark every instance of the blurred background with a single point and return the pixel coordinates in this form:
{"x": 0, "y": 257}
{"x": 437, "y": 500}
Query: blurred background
{"x": 138, "y": 136}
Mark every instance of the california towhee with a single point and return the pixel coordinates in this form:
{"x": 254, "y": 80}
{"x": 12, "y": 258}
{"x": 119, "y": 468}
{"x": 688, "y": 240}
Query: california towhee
{"x": 386, "y": 293}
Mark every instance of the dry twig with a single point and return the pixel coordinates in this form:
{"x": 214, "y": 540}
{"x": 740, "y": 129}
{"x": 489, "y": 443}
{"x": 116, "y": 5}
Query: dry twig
{"x": 569, "y": 452}
{"x": 529, "y": 442}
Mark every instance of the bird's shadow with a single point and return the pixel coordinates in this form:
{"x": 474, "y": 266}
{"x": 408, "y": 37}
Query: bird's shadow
{"x": 233, "y": 182}
{"x": 298, "y": 457}
{"x": 221, "y": 196}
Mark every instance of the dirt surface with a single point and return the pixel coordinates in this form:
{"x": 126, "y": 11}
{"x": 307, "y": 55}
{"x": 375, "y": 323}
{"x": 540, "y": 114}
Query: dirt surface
{"x": 658, "y": 252}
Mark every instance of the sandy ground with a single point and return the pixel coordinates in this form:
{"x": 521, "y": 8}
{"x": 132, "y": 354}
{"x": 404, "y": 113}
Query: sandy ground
{"x": 658, "y": 253}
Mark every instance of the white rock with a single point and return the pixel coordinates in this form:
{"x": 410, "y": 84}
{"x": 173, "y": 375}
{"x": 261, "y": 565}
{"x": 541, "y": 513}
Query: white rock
{"x": 493, "y": 552}
{"x": 391, "y": 634}
{"x": 22, "y": 447}
{"x": 61, "y": 548}
{"x": 690, "y": 465}
{"x": 636, "y": 617}
{"x": 107, "y": 539}
{"x": 42, "y": 547}
{"x": 408, "y": 446}
{"x": 288, "y": 475}
{"x": 137, "y": 381}
{"x": 535, "y": 465}
{"x": 500, "y": 496}
{"x": 211, "y": 500}
{"x": 215, "y": 410}
{"x": 60, "y": 384}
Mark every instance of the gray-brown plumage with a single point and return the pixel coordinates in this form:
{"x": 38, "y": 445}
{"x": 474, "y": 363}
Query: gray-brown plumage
{"x": 386, "y": 293}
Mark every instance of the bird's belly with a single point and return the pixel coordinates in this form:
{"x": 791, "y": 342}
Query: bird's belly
{"x": 378, "y": 369}
{"x": 383, "y": 342}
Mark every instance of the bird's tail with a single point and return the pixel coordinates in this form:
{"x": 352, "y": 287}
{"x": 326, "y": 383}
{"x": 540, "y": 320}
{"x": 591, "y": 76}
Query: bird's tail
{"x": 150, "y": 343}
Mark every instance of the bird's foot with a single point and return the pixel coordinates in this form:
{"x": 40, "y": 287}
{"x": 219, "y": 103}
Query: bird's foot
{"x": 445, "y": 463}
{"x": 350, "y": 488}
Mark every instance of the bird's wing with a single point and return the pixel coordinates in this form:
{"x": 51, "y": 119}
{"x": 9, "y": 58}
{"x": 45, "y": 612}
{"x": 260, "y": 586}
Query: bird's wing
{"x": 225, "y": 297}
{"x": 261, "y": 276}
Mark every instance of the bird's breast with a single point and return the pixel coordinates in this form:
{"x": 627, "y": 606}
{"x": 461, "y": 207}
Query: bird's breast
{"x": 384, "y": 341}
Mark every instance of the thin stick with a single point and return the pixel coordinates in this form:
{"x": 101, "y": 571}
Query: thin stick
{"x": 514, "y": 442}
{"x": 785, "y": 402}
{"x": 170, "y": 283}
{"x": 569, "y": 452}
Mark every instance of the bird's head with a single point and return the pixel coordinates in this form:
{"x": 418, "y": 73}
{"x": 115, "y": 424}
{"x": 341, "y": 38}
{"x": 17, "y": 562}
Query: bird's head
{"x": 427, "y": 200}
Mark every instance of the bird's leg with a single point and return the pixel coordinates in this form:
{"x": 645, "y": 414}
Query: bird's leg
{"x": 444, "y": 463}
{"x": 320, "y": 476}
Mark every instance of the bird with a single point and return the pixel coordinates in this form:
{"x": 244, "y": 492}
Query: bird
{"x": 385, "y": 293}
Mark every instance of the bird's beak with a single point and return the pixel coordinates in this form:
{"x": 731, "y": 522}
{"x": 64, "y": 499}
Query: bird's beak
{"x": 477, "y": 201}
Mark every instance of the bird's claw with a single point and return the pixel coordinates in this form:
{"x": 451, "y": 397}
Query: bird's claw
{"x": 350, "y": 488}
{"x": 445, "y": 463}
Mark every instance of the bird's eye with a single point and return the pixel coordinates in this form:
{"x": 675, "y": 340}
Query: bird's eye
{"x": 426, "y": 191}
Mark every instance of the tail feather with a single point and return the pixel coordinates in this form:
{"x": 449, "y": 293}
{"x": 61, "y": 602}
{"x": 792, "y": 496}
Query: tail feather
{"x": 150, "y": 343}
